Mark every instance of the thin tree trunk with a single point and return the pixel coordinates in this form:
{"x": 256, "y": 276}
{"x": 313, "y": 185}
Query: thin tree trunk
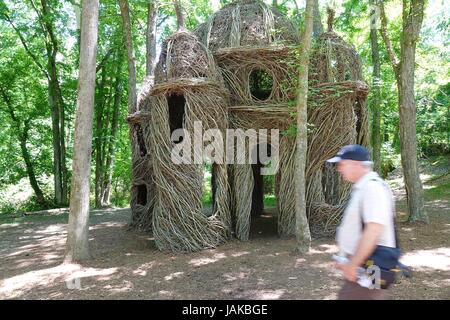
{"x": 132, "y": 96}
{"x": 107, "y": 110}
{"x": 151, "y": 37}
{"x": 99, "y": 139}
{"x": 110, "y": 156}
{"x": 29, "y": 166}
{"x": 412, "y": 22}
{"x": 412, "y": 17}
{"x": 77, "y": 232}
{"x": 56, "y": 139}
{"x": 330, "y": 19}
{"x": 302, "y": 232}
{"x": 22, "y": 132}
{"x": 58, "y": 106}
{"x": 65, "y": 173}
{"x": 179, "y": 13}
{"x": 376, "y": 102}
{"x": 317, "y": 22}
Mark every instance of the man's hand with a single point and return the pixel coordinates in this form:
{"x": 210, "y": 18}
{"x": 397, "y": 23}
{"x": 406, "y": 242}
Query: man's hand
{"x": 350, "y": 271}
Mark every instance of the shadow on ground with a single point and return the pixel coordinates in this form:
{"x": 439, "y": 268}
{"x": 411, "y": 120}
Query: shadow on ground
{"x": 127, "y": 264}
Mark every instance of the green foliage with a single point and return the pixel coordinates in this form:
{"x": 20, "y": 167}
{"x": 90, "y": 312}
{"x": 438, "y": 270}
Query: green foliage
{"x": 390, "y": 159}
{"x": 270, "y": 201}
{"x": 431, "y": 75}
{"x": 207, "y": 187}
{"x": 26, "y": 85}
{"x": 269, "y": 184}
{"x": 439, "y": 191}
{"x": 433, "y": 122}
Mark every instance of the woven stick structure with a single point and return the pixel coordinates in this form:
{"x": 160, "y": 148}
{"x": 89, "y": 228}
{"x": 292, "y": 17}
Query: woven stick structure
{"x": 246, "y": 23}
{"x": 338, "y": 115}
{"x": 187, "y": 89}
{"x": 239, "y": 72}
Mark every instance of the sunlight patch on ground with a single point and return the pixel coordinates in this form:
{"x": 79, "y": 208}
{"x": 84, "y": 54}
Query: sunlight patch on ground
{"x": 329, "y": 266}
{"x": 439, "y": 205}
{"x": 438, "y": 284}
{"x": 55, "y": 228}
{"x": 266, "y": 294}
{"x": 16, "y": 285}
{"x": 142, "y": 270}
{"x": 104, "y": 211}
{"x": 238, "y": 254}
{"x": 173, "y": 276}
{"x": 52, "y": 212}
{"x": 107, "y": 224}
{"x": 332, "y": 296}
{"x": 166, "y": 293}
{"x": 126, "y": 287}
{"x": 328, "y": 248}
{"x": 203, "y": 261}
{"x": 9, "y": 225}
{"x": 299, "y": 262}
{"x": 438, "y": 259}
{"x": 235, "y": 276}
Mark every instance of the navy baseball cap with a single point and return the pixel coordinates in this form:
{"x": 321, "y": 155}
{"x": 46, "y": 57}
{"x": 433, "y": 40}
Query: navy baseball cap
{"x": 354, "y": 152}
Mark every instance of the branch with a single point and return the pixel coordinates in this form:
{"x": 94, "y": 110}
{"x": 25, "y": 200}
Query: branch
{"x": 412, "y": 19}
{"x": 162, "y": 21}
{"x": 179, "y": 14}
{"x": 330, "y": 19}
{"x": 39, "y": 16}
{"x": 49, "y": 26}
{"x": 134, "y": 17}
{"x": 22, "y": 39}
{"x": 387, "y": 40}
{"x": 9, "y": 105}
{"x": 104, "y": 60}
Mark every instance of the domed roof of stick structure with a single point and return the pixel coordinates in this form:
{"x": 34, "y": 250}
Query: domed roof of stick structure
{"x": 246, "y": 23}
{"x": 334, "y": 60}
{"x": 184, "y": 57}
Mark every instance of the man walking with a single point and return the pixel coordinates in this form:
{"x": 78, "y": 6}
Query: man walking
{"x": 368, "y": 220}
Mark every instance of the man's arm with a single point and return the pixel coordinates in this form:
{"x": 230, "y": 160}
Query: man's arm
{"x": 366, "y": 246}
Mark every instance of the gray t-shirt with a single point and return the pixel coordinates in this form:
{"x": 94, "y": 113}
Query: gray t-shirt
{"x": 373, "y": 200}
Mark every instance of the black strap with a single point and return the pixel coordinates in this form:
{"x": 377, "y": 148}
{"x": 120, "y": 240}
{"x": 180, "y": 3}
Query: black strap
{"x": 397, "y": 242}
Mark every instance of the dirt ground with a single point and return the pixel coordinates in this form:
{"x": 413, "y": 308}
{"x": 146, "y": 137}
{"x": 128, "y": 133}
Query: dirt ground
{"x": 127, "y": 265}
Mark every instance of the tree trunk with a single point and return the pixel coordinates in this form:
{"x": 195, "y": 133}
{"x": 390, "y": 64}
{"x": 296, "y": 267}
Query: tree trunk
{"x": 59, "y": 133}
{"x": 302, "y": 232}
{"x": 110, "y": 156}
{"x": 56, "y": 141}
{"x": 29, "y": 166}
{"x": 179, "y": 13}
{"x": 376, "y": 102}
{"x": 65, "y": 173}
{"x": 132, "y": 96}
{"x": 22, "y": 133}
{"x": 77, "y": 232}
{"x": 412, "y": 16}
{"x": 99, "y": 140}
{"x": 412, "y": 21}
{"x": 317, "y": 23}
{"x": 57, "y": 105}
{"x": 151, "y": 37}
